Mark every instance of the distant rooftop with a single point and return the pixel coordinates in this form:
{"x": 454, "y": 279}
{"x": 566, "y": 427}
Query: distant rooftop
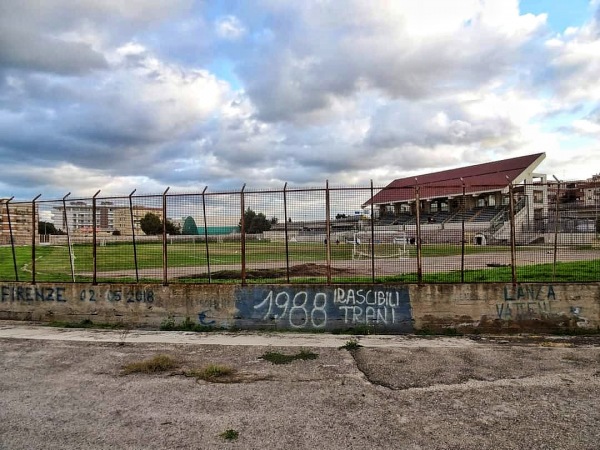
{"x": 486, "y": 177}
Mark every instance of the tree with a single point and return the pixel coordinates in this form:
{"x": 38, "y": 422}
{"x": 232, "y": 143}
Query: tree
{"x": 189, "y": 226}
{"x": 151, "y": 224}
{"x": 46, "y": 228}
{"x": 254, "y": 223}
{"x": 172, "y": 228}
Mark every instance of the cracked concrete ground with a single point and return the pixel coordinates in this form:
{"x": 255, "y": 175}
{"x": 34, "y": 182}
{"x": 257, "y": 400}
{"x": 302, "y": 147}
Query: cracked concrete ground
{"x": 396, "y": 392}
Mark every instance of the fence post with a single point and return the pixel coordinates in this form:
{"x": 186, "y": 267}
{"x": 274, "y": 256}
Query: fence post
{"x": 418, "y": 207}
{"x": 556, "y": 226}
{"x": 94, "y": 251}
{"x": 12, "y": 240}
{"x": 513, "y": 249}
{"x": 135, "y": 260}
{"x": 164, "y": 239}
{"x": 33, "y": 232}
{"x": 372, "y": 237}
{"x": 206, "y": 234}
{"x": 328, "y": 231}
{"x": 66, "y": 223}
{"x": 243, "y": 234}
{"x": 462, "y": 233}
{"x": 285, "y": 227}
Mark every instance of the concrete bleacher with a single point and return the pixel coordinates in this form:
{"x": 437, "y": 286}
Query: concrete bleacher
{"x": 485, "y": 214}
{"x": 474, "y": 215}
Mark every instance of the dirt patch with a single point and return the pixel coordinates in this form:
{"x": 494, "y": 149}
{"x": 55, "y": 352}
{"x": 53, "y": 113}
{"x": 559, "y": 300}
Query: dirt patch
{"x": 301, "y": 270}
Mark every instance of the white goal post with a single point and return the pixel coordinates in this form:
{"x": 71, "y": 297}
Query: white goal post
{"x": 380, "y": 244}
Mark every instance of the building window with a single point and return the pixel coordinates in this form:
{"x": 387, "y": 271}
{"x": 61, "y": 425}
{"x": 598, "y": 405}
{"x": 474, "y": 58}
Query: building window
{"x": 480, "y": 202}
{"x": 491, "y": 200}
{"x": 538, "y": 196}
{"x": 433, "y": 207}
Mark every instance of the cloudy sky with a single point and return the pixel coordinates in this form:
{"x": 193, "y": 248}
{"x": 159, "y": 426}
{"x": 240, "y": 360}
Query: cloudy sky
{"x": 117, "y": 95}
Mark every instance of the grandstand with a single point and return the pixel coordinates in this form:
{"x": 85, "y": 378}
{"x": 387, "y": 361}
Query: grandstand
{"x": 477, "y": 196}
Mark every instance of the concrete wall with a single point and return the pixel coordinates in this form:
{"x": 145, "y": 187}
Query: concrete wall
{"x": 391, "y": 308}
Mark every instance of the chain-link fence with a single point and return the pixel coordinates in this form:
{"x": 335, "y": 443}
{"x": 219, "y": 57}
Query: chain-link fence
{"x": 541, "y": 232}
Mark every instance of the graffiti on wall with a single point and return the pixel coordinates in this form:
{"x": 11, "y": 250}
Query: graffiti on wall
{"x": 329, "y": 307}
{"x": 526, "y": 302}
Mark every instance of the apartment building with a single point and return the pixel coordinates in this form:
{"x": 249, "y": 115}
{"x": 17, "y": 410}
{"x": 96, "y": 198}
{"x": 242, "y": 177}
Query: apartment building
{"x": 20, "y": 222}
{"x": 122, "y": 219}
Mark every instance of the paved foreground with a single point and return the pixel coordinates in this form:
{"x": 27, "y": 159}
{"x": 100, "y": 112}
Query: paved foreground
{"x": 64, "y": 389}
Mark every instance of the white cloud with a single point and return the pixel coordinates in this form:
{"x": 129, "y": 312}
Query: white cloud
{"x": 332, "y": 50}
{"x": 229, "y": 27}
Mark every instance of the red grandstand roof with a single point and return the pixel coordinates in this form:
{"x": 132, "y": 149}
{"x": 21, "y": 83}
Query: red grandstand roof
{"x": 486, "y": 177}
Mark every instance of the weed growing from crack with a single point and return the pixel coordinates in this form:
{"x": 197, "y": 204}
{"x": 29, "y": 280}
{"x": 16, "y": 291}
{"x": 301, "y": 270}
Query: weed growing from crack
{"x": 212, "y": 372}
{"x": 159, "y": 363}
{"x": 230, "y": 435}
{"x": 280, "y": 358}
{"x": 350, "y": 345}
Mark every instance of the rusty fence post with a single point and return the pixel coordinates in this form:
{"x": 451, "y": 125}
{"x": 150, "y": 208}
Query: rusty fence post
{"x": 94, "y": 249}
{"x": 135, "y": 259}
{"x": 12, "y": 239}
{"x": 206, "y": 233}
{"x": 556, "y": 227}
{"x": 513, "y": 249}
{"x": 328, "y": 231}
{"x": 69, "y": 247}
{"x": 372, "y": 237}
{"x": 462, "y": 233}
{"x": 418, "y": 232}
{"x": 243, "y": 234}
{"x": 33, "y": 233}
{"x": 164, "y": 239}
{"x": 285, "y": 227}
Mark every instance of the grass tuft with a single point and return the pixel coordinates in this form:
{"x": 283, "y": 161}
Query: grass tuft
{"x": 212, "y": 372}
{"x": 87, "y": 323}
{"x": 280, "y": 358}
{"x": 169, "y": 324}
{"x": 351, "y": 345}
{"x": 230, "y": 435}
{"x": 159, "y": 363}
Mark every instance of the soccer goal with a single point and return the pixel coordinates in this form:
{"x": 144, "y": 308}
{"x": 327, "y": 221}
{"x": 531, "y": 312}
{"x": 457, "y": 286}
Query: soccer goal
{"x": 380, "y": 244}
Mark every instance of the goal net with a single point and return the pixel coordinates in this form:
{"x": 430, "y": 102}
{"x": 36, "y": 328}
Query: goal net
{"x": 380, "y": 244}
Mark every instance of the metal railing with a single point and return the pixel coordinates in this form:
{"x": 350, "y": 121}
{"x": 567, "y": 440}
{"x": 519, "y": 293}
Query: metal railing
{"x": 328, "y": 234}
